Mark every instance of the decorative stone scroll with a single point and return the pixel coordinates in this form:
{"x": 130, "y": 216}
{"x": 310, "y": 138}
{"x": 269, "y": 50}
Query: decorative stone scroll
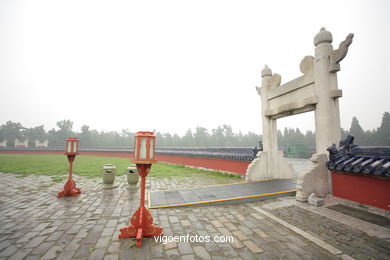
{"x": 316, "y": 90}
{"x": 338, "y": 55}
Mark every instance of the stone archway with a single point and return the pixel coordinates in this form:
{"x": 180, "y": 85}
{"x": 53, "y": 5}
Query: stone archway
{"x": 316, "y": 90}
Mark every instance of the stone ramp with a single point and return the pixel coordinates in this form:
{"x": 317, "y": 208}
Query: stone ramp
{"x": 241, "y": 192}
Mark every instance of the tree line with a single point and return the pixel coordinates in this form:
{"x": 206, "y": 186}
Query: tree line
{"x": 375, "y": 137}
{"x": 222, "y": 136}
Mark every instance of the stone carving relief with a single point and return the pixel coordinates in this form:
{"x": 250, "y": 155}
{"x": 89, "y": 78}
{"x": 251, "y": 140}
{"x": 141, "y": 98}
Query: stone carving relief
{"x": 275, "y": 80}
{"x": 338, "y": 55}
{"x": 307, "y": 64}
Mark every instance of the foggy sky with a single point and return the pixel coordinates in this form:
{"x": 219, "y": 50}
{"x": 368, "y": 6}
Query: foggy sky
{"x": 173, "y": 65}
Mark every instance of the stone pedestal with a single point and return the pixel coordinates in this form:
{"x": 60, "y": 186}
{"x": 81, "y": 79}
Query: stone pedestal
{"x": 259, "y": 168}
{"x": 315, "y": 180}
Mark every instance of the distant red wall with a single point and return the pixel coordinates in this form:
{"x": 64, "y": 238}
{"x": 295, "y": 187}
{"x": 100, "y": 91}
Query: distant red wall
{"x": 363, "y": 189}
{"x": 215, "y": 164}
{"x": 32, "y": 152}
{"x": 106, "y": 154}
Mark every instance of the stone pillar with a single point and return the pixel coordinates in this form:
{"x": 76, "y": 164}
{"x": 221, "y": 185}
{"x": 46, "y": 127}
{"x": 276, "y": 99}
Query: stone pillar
{"x": 269, "y": 163}
{"x": 270, "y": 129}
{"x": 270, "y": 143}
{"x": 327, "y": 114}
{"x": 318, "y": 181}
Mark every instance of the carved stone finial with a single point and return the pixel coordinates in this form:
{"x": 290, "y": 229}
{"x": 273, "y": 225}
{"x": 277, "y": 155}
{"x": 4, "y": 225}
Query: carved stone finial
{"x": 338, "y": 55}
{"x": 266, "y": 72}
{"x": 323, "y": 36}
{"x": 307, "y": 64}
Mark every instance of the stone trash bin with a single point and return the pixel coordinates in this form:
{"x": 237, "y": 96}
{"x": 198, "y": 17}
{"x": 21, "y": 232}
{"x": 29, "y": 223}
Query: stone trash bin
{"x": 132, "y": 174}
{"x": 108, "y": 174}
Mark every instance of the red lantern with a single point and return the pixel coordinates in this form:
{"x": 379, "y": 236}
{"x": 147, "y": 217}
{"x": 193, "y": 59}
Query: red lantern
{"x": 142, "y": 222}
{"x": 71, "y": 150}
{"x": 144, "y": 147}
{"x": 72, "y": 146}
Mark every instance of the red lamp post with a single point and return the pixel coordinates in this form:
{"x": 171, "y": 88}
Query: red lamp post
{"x": 71, "y": 150}
{"x": 142, "y": 222}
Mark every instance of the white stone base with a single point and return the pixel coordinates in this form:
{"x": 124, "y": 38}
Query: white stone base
{"x": 316, "y": 201}
{"x": 110, "y": 186}
{"x": 263, "y": 168}
{"x": 315, "y": 180}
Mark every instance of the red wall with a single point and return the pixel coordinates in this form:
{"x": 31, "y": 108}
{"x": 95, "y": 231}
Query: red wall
{"x": 106, "y": 154}
{"x": 32, "y": 152}
{"x": 363, "y": 189}
{"x": 215, "y": 164}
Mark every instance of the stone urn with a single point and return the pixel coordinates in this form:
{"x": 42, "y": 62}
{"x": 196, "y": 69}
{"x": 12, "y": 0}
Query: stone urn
{"x": 108, "y": 174}
{"x": 132, "y": 174}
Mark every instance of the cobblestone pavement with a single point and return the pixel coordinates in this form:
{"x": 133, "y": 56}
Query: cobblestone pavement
{"x": 34, "y": 224}
{"x": 351, "y": 241}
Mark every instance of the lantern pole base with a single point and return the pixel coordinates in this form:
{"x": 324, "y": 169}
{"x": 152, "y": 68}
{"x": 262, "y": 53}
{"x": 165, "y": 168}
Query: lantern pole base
{"x": 141, "y": 226}
{"x": 70, "y": 186}
{"x": 69, "y": 189}
{"x": 141, "y": 223}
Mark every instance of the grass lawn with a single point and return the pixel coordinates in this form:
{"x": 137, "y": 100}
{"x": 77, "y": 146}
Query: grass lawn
{"x": 90, "y": 166}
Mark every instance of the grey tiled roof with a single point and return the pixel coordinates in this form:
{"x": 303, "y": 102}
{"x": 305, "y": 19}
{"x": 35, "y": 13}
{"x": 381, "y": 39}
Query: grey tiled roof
{"x": 240, "y": 154}
{"x": 355, "y": 159}
{"x": 224, "y": 153}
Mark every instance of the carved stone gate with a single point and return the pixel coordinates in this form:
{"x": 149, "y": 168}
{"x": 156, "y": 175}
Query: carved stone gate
{"x": 316, "y": 90}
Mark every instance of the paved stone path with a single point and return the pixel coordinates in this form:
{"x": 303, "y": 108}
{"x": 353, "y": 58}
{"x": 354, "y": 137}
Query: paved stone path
{"x": 300, "y": 165}
{"x": 34, "y": 224}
